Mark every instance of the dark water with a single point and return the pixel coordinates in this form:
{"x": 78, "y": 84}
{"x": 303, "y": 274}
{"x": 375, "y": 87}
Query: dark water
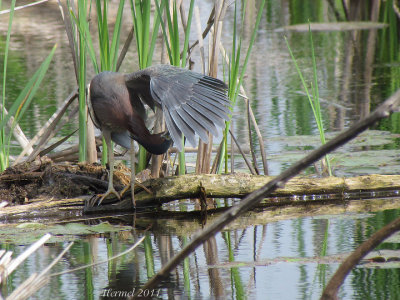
{"x": 357, "y": 70}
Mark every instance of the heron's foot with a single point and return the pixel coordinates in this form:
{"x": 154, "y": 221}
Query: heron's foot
{"x": 127, "y": 188}
{"x": 100, "y": 197}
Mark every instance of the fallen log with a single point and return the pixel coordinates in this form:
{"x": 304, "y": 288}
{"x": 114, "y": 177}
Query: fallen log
{"x": 239, "y": 185}
{"x": 164, "y": 190}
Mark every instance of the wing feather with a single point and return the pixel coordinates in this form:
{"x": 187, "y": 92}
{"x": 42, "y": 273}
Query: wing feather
{"x": 192, "y": 103}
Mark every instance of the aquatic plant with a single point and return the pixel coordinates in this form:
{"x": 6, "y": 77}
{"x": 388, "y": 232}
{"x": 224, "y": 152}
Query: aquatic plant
{"x": 313, "y": 96}
{"x": 21, "y": 103}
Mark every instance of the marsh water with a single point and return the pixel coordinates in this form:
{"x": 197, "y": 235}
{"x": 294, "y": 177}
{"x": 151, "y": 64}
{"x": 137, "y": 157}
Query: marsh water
{"x": 267, "y": 254}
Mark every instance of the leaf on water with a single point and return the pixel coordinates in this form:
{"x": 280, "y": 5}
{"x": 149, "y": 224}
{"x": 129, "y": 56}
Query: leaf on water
{"x": 28, "y": 233}
{"x": 333, "y": 26}
{"x": 382, "y": 259}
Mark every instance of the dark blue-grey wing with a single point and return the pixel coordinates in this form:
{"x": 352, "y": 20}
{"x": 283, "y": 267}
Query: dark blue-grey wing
{"x": 192, "y": 103}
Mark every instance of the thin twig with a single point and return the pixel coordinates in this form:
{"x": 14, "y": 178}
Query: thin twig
{"x": 47, "y": 269}
{"x": 36, "y": 281}
{"x": 260, "y": 140}
{"x": 383, "y": 111}
{"x": 210, "y": 23}
{"x": 9, "y": 268}
{"x": 101, "y": 262}
{"x": 242, "y": 153}
{"x": 252, "y": 151}
{"x": 125, "y": 49}
{"x": 17, "y": 132}
{"x": 7, "y": 11}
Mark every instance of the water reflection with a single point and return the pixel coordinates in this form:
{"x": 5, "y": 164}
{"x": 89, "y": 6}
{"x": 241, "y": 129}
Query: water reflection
{"x": 282, "y": 259}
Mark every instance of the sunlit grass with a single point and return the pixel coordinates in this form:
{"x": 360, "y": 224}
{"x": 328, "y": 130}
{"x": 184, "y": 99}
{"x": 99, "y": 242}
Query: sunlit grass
{"x": 237, "y": 70}
{"x": 4, "y": 148}
{"x": 313, "y": 96}
{"x": 22, "y": 102}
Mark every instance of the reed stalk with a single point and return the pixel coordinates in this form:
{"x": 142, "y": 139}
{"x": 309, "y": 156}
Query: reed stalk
{"x": 313, "y": 96}
{"x": 108, "y": 57}
{"x": 236, "y": 71}
{"x": 4, "y": 149}
{"x": 145, "y": 44}
{"x": 22, "y": 102}
{"x": 82, "y": 16}
{"x": 171, "y": 35}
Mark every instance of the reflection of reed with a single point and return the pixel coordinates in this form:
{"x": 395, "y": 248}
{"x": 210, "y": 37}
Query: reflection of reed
{"x": 211, "y": 254}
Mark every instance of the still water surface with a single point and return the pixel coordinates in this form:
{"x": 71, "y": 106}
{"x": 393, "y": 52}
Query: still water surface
{"x": 355, "y": 74}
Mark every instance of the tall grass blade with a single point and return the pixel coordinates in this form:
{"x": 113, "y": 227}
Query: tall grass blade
{"x": 141, "y": 15}
{"x": 3, "y": 147}
{"x": 236, "y": 71}
{"x": 22, "y": 102}
{"x": 82, "y": 17}
{"x": 315, "y": 89}
{"x": 173, "y": 46}
{"x": 116, "y": 37}
{"x": 187, "y": 34}
{"x": 313, "y": 97}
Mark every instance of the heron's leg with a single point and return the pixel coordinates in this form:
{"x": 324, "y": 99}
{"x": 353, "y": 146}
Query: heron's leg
{"x": 110, "y": 190}
{"x": 133, "y": 175}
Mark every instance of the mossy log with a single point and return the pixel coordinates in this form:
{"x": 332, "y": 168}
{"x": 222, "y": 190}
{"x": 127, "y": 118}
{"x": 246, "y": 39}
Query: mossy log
{"x": 59, "y": 186}
{"x": 164, "y": 190}
{"x": 239, "y": 185}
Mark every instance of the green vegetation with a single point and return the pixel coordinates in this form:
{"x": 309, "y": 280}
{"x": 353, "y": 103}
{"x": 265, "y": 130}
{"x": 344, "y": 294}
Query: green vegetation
{"x": 313, "y": 97}
{"x": 21, "y": 103}
{"x": 172, "y": 43}
{"x": 145, "y": 45}
{"x": 237, "y": 70}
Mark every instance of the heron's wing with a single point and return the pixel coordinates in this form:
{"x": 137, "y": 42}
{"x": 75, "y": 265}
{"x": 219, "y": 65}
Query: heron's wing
{"x": 122, "y": 138}
{"x": 192, "y": 103}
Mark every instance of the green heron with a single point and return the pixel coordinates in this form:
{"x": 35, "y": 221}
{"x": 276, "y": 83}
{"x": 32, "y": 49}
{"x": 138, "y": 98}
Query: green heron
{"x": 192, "y": 104}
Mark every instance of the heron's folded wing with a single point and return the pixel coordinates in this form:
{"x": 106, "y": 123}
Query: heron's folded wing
{"x": 192, "y": 103}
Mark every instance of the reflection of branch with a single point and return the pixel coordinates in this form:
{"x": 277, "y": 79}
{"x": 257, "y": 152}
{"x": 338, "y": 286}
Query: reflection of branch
{"x": 337, "y": 279}
{"x": 101, "y": 262}
{"x": 383, "y": 111}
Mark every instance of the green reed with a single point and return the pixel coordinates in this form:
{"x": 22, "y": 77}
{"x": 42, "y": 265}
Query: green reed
{"x": 237, "y": 69}
{"x": 171, "y": 35}
{"x": 145, "y": 44}
{"x": 107, "y": 61}
{"x": 22, "y": 102}
{"x": 313, "y": 96}
{"x": 4, "y": 148}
